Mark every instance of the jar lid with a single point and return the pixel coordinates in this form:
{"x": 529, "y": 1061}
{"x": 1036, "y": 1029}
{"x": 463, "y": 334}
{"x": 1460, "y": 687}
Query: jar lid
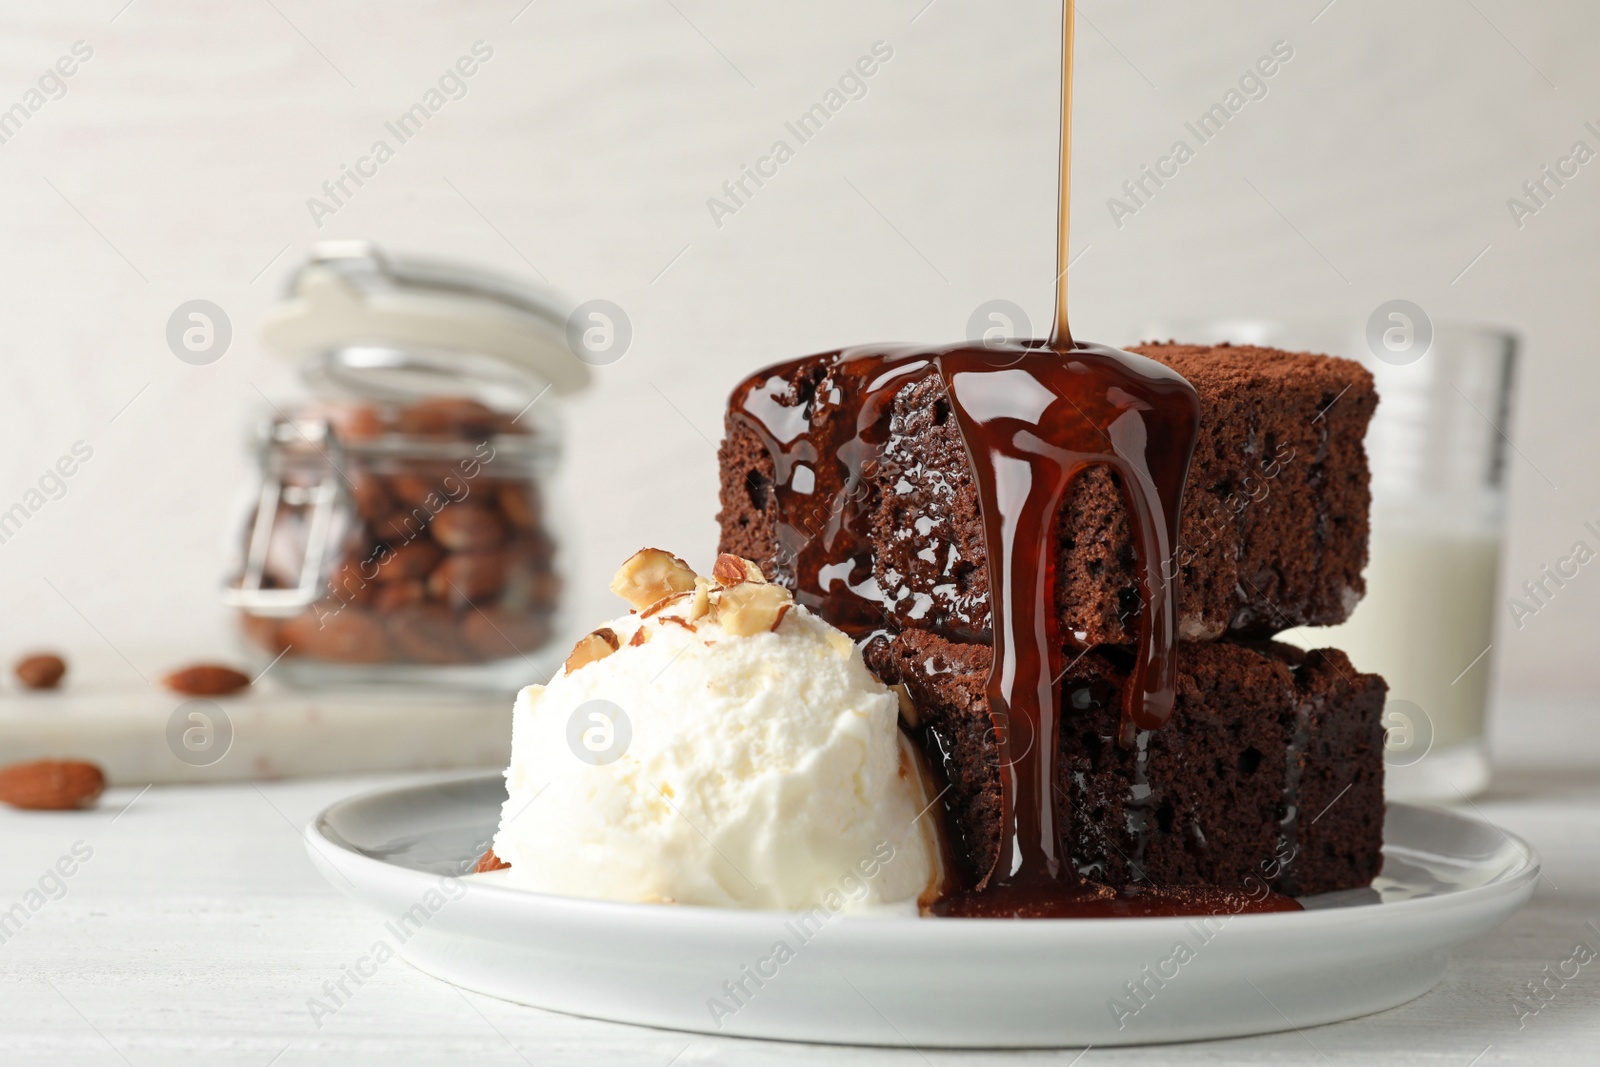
{"x": 402, "y": 327}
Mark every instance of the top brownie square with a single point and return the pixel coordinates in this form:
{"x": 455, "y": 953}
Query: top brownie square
{"x": 1273, "y": 532}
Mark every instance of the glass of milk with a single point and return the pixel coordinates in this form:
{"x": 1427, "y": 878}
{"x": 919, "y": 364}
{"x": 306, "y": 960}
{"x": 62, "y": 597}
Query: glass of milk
{"x": 1437, "y": 448}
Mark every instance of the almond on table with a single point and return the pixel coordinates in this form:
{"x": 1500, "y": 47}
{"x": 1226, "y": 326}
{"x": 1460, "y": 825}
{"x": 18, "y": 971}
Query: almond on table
{"x": 51, "y": 785}
{"x": 42, "y": 671}
{"x": 206, "y": 680}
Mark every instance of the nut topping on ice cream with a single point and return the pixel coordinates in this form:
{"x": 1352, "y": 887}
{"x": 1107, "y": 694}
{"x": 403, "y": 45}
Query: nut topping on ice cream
{"x": 719, "y": 745}
{"x": 651, "y": 575}
{"x": 591, "y": 648}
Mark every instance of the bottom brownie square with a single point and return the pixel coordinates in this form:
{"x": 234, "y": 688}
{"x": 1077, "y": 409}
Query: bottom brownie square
{"x": 1271, "y": 766}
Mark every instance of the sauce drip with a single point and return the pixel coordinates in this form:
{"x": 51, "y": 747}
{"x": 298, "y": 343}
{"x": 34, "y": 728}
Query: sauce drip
{"x": 1033, "y": 419}
{"x": 1033, "y": 416}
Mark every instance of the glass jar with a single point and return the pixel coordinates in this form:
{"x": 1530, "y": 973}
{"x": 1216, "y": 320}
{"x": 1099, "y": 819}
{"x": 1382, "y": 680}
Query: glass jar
{"x": 402, "y": 533}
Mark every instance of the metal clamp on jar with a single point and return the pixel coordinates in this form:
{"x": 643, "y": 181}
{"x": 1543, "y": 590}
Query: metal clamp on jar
{"x": 401, "y": 532}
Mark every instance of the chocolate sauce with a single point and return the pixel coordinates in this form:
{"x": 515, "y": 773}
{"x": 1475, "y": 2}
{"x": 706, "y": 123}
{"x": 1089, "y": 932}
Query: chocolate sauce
{"x": 1033, "y": 419}
{"x": 1090, "y": 901}
{"x": 1034, "y": 416}
{"x": 1061, "y": 334}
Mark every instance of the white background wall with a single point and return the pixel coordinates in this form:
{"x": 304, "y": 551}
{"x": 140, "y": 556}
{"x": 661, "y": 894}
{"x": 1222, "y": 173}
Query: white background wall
{"x": 179, "y": 161}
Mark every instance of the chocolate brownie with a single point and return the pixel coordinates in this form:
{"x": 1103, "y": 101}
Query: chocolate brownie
{"x": 1270, "y": 766}
{"x": 1273, "y": 528}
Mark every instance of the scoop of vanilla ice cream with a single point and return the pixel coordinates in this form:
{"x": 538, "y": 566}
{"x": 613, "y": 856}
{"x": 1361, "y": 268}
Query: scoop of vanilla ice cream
{"x": 697, "y": 766}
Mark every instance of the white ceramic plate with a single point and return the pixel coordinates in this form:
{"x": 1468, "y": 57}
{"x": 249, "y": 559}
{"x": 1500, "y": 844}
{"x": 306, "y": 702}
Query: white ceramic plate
{"x": 904, "y": 981}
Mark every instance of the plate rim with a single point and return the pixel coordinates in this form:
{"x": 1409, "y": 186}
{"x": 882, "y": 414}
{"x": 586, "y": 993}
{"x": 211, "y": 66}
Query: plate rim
{"x": 320, "y": 841}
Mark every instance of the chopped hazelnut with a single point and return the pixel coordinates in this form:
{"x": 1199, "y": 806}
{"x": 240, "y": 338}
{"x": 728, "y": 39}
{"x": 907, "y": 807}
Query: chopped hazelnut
{"x": 732, "y": 570}
{"x": 651, "y": 576}
{"x": 699, "y": 605}
{"x": 592, "y": 647}
{"x": 683, "y": 607}
{"x": 752, "y": 608}
{"x": 663, "y": 604}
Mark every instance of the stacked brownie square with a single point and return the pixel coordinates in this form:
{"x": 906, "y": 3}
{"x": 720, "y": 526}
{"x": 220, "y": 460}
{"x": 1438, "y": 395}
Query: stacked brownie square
{"x": 1271, "y": 767}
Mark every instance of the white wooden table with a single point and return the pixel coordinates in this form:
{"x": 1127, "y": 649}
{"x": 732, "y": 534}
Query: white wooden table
{"x": 197, "y": 930}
